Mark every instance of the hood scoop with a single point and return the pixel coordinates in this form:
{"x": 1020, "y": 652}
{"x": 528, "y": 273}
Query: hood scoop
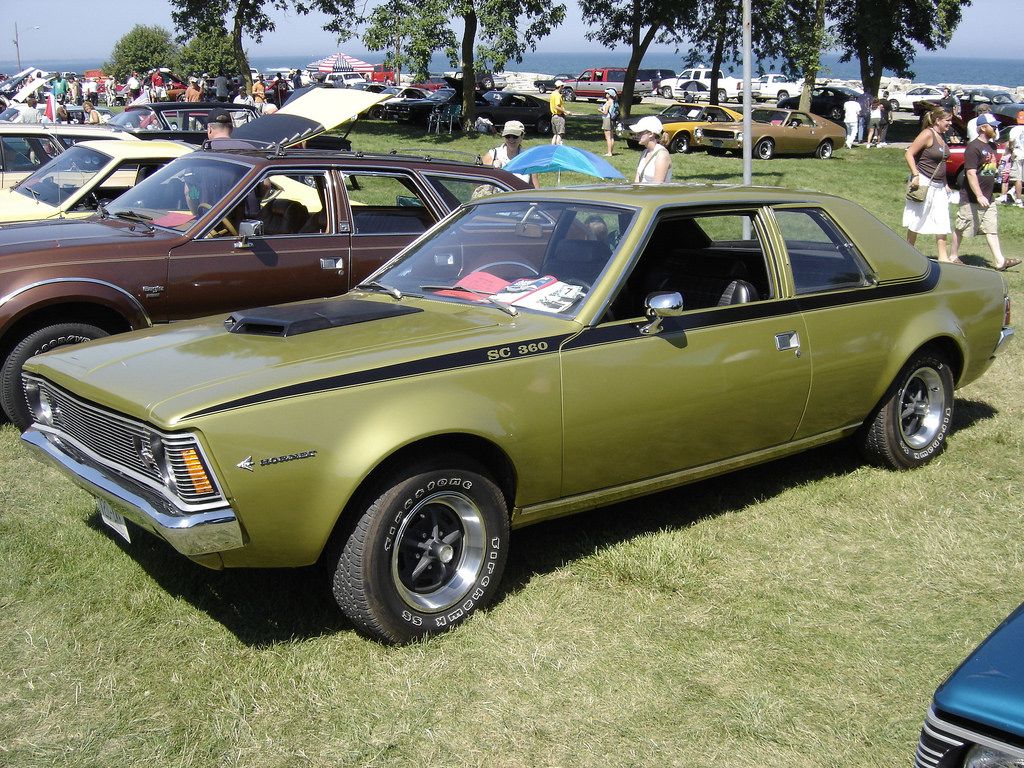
{"x": 292, "y": 320}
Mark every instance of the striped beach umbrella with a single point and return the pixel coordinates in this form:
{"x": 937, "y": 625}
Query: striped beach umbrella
{"x": 340, "y": 62}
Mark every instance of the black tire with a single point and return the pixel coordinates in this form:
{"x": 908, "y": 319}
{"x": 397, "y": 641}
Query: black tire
{"x": 764, "y": 149}
{"x": 781, "y": 96}
{"x": 12, "y": 397}
{"x": 836, "y": 114}
{"x": 893, "y": 105}
{"x": 909, "y": 428}
{"x": 544, "y": 125}
{"x": 542, "y": 88}
{"x": 450, "y": 517}
{"x": 569, "y": 94}
{"x": 824, "y": 150}
{"x": 666, "y": 92}
{"x": 680, "y": 143}
{"x": 723, "y": 96}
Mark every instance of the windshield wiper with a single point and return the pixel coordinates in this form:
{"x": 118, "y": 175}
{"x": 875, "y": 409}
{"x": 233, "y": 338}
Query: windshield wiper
{"x": 508, "y": 308}
{"x": 373, "y": 285}
{"x": 139, "y": 217}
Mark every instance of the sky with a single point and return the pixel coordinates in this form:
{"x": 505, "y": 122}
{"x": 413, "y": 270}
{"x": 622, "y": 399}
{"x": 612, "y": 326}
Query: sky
{"x": 44, "y": 31}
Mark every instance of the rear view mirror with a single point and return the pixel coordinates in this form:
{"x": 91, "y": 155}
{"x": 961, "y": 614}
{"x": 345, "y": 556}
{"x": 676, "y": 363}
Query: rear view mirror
{"x": 248, "y": 228}
{"x": 660, "y": 305}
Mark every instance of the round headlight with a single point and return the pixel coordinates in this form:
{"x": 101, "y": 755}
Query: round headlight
{"x": 987, "y": 757}
{"x": 699, "y": 132}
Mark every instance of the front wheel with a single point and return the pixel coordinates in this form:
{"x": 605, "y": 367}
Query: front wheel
{"x": 781, "y": 96}
{"x": 569, "y": 94}
{"x": 666, "y": 92}
{"x": 680, "y": 143}
{"x": 910, "y": 426}
{"x": 12, "y": 396}
{"x": 764, "y": 149}
{"x": 425, "y": 555}
{"x": 824, "y": 150}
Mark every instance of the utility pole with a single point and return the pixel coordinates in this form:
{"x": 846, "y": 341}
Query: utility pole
{"x": 17, "y": 48}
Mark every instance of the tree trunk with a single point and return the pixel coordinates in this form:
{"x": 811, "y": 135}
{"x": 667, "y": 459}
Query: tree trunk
{"x": 638, "y": 49}
{"x": 468, "y": 72}
{"x": 813, "y": 56}
{"x": 717, "y": 56}
{"x": 241, "y": 62}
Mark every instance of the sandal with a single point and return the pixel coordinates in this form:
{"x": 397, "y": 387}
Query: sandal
{"x": 955, "y": 261}
{"x": 1008, "y": 264}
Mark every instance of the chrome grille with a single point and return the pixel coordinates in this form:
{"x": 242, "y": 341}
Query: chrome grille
{"x": 117, "y": 441}
{"x": 715, "y": 133}
{"x": 934, "y": 744}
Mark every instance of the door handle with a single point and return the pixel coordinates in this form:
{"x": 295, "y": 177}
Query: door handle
{"x": 790, "y": 340}
{"x": 333, "y": 264}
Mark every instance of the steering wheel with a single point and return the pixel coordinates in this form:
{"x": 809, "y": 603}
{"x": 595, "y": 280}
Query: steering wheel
{"x": 225, "y": 227}
{"x": 487, "y": 267}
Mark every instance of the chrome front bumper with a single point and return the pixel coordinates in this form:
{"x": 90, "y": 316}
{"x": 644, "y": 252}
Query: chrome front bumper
{"x": 214, "y": 530}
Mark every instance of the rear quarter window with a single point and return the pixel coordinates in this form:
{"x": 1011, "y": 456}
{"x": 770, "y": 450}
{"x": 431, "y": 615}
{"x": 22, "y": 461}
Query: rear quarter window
{"x": 821, "y": 256}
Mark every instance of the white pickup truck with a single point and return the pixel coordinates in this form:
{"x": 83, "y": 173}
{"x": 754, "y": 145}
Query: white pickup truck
{"x": 693, "y": 84}
{"x": 773, "y": 87}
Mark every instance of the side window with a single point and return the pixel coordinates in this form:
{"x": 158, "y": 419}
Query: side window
{"x": 456, "y": 191}
{"x": 386, "y": 205}
{"x": 22, "y": 154}
{"x": 821, "y": 256}
{"x": 286, "y": 203}
{"x": 713, "y": 260}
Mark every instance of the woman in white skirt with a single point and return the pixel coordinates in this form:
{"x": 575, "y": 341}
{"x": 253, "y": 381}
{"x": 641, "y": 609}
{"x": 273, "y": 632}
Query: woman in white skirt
{"x": 926, "y": 157}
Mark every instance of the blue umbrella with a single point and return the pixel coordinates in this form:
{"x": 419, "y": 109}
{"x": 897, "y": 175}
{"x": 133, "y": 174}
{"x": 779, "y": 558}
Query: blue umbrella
{"x": 562, "y": 157}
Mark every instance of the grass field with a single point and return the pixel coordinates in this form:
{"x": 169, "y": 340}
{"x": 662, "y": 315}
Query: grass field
{"x": 796, "y": 614}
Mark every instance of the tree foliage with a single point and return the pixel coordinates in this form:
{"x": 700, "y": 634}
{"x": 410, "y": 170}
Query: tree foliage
{"x": 493, "y": 32}
{"x": 636, "y": 25}
{"x": 198, "y": 18}
{"x": 141, "y": 49}
{"x": 209, "y": 52}
{"x": 882, "y": 34}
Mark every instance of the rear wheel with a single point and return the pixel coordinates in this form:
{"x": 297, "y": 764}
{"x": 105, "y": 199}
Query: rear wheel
{"x": 666, "y": 92}
{"x": 824, "y": 150}
{"x": 46, "y": 339}
{"x": 782, "y": 95}
{"x": 723, "y": 96}
{"x": 426, "y": 554}
{"x": 764, "y": 149}
{"x": 542, "y": 88}
{"x": 910, "y": 426}
{"x": 569, "y": 94}
{"x": 893, "y": 105}
{"x": 544, "y": 125}
{"x": 680, "y": 143}
{"x": 836, "y": 114}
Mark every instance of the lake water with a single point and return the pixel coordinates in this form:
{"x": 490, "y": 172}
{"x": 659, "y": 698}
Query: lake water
{"x": 928, "y": 68}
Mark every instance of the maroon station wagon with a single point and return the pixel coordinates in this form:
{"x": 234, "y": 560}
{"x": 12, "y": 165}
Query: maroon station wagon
{"x": 217, "y": 232}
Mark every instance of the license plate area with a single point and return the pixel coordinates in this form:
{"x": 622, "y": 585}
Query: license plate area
{"x": 716, "y": 142}
{"x": 112, "y": 519}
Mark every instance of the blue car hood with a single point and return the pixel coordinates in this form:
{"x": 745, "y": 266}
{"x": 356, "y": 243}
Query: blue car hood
{"x": 988, "y": 687}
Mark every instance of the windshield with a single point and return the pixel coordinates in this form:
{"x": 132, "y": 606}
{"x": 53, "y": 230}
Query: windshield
{"x": 62, "y": 177}
{"x": 144, "y": 119}
{"x": 441, "y": 94}
{"x": 769, "y": 116}
{"x": 181, "y": 192}
{"x": 538, "y": 256}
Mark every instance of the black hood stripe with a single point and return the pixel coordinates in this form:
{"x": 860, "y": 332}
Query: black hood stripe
{"x": 590, "y": 337}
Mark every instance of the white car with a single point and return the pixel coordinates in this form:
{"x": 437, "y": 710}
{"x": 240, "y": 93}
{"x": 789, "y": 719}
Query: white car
{"x": 905, "y": 99}
{"x": 343, "y": 79}
{"x": 695, "y": 83}
{"x": 25, "y": 147}
{"x": 773, "y": 87}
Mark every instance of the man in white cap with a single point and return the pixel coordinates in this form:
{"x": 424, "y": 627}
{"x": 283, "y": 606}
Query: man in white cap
{"x": 977, "y": 208}
{"x": 655, "y": 165}
{"x": 500, "y": 156}
{"x": 557, "y": 113}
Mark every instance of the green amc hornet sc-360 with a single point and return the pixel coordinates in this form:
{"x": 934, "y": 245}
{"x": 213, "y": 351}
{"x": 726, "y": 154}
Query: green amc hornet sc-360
{"x": 533, "y": 355}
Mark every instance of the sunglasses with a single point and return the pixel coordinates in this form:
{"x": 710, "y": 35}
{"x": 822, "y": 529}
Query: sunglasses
{"x": 511, "y": 136}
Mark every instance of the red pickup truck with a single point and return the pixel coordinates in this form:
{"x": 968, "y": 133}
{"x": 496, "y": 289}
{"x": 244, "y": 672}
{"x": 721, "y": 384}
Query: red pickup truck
{"x": 591, "y": 84}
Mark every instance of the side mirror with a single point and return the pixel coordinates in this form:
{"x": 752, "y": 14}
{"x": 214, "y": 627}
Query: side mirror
{"x": 248, "y": 228}
{"x": 660, "y": 305}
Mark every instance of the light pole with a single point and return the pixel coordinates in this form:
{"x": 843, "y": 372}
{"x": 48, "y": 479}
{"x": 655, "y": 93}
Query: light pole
{"x": 17, "y": 45}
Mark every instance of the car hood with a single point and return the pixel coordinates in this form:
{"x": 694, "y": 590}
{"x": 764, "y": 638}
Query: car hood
{"x": 988, "y": 687}
{"x": 34, "y": 236}
{"x": 308, "y": 113}
{"x": 15, "y": 206}
{"x": 169, "y": 375}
